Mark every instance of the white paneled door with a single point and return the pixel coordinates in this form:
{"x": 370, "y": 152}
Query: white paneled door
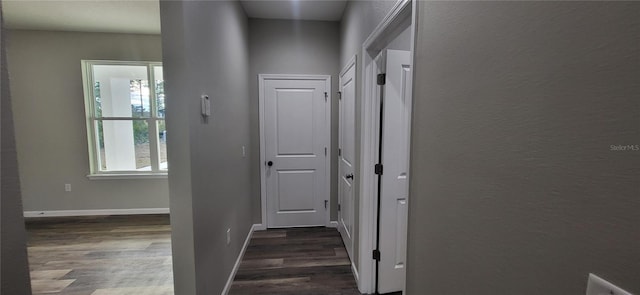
{"x": 394, "y": 188}
{"x": 295, "y": 146}
{"x": 346, "y": 154}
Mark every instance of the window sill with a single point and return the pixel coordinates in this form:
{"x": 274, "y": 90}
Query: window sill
{"x": 128, "y": 176}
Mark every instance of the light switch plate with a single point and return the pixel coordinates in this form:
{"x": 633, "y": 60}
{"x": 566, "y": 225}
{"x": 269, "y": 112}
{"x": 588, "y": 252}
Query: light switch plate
{"x": 598, "y": 286}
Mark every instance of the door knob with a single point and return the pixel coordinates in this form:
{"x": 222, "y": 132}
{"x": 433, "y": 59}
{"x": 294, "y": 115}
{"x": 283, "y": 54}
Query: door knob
{"x": 270, "y": 163}
{"x": 349, "y": 176}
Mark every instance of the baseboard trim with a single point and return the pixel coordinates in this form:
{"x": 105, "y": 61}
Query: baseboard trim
{"x": 355, "y": 274}
{"x": 100, "y": 212}
{"x": 236, "y": 266}
{"x": 259, "y": 226}
{"x": 333, "y": 224}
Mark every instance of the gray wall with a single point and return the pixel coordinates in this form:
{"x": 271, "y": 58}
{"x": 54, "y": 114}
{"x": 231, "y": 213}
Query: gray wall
{"x": 402, "y": 41}
{"x": 293, "y": 47}
{"x": 514, "y": 188}
{"x": 359, "y": 20}
{"x": 51, "y": 135}
{"x": 14, "y": 270}
{"x": 206, "y": 50}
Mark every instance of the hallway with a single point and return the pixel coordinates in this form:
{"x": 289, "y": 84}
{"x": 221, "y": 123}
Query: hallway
{"x": 295, "y": 261}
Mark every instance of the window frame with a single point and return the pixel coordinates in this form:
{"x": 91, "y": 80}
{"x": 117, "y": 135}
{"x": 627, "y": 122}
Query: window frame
{"x": 91, "y": 121}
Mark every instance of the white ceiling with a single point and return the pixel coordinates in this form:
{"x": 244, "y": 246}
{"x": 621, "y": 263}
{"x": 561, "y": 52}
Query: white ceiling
{"x": 327, "y": 10}
{"x": 114, "y": 16}
{"x": 143, "y": 16}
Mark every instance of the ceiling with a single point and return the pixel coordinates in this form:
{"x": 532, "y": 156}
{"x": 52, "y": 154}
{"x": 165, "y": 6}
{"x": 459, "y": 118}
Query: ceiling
{"x": 113, "y": 16}
{"x": 327, "y": 10}
{"x": 143, "y": 16}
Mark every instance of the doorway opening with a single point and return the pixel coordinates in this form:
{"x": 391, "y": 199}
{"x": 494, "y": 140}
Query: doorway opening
{"x": 384, "y": 166}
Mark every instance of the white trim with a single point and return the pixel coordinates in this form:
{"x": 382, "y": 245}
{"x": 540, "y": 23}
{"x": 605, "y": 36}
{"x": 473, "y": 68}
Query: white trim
{"x": 354, "y": 270}
{"x": 90, "y": 116}
{"x": 351, "y": 63}
{"x": 333, "y": 224}
{"x": 388, "y": 23}
{"x": 106, "y": 176}
{"x": 261, "y": 110}
{"x": 259, "y": 227}
{"x": 99, "y": 212}
{"x": 369, "y": 142}
{"x": 236, "y": 266}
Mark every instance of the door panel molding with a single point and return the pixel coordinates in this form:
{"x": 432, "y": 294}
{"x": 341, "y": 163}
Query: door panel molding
{"x": 325, "y": 138}
{"x": 346, "y": 158}
{"x": 394, "y": 187}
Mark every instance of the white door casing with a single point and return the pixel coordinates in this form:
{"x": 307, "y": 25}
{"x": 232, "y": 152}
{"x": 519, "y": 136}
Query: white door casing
{"x": 387, "y": 30}
{"x": 394, "y": 188}
{"x": 295, "y": 118}
{"x": 346, "y": 154}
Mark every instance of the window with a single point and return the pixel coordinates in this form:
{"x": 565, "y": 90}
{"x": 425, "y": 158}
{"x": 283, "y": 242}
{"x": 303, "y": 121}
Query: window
{"x": 124, "y": 103}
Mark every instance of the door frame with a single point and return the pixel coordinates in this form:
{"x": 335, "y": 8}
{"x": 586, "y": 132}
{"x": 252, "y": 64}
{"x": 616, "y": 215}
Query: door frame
{"x": 327, "y": 140}
{"x": 389, "y": 27}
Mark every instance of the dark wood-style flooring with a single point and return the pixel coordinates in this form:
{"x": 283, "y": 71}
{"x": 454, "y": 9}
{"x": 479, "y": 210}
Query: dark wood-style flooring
{"x": 295, "y": 261}
{"x": 131, "y": 255}
{"x": 101, "y": 255}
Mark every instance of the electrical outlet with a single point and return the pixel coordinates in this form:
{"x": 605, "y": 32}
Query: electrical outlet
{"x": 67, "y": 187}
{"x": 598, "y": 286}
{"x": 228, "y": 236}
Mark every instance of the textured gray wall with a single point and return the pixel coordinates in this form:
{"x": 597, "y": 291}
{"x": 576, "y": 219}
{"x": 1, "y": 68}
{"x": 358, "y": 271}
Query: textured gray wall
{"x": 179, "y": 109}
{"x": 206, "y": 51}
{"x": 14, "y": 269}
{"x": 358, "y": 22}
{"x": 46, "y": 83}
{"x": 514, "y": 188}
{"x": 292, "y": 47}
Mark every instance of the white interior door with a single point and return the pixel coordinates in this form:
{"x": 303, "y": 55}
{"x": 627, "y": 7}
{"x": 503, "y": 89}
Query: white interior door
{"x": 394, "y": 190}
{"x": 295, "y": 151}
{"x": 346, "y": 155}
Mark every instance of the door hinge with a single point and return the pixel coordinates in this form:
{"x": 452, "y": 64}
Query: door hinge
{"x": 325, "y": 203}
{"x": 339, "y": 208}
{"x": 378, "y": 169}
{"x": 339, "y": 152}
{"x": 326, "y": 95}
{"x": 339, "y": 94}
{"x": 376, "y": 255}
{"x": 382, "y": 79}
{"x": 325, "y": 151}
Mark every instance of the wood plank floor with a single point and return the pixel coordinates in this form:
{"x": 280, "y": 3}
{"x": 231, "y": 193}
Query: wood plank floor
{"x": 101, "y": 255}
{"x": 295, "y": 261}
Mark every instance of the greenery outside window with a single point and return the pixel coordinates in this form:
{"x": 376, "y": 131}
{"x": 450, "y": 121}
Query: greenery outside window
{"x": 125, "y": 110}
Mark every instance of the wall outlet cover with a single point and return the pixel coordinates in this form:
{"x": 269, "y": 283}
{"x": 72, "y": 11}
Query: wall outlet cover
{"x": 598, "y": 286}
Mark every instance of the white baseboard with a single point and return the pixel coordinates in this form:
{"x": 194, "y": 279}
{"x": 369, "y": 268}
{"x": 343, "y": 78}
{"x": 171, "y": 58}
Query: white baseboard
{"x": 333, "y": 224}
{"x": 236, "y": 266}
{"x": 67, "y": 213}
{"x": 355, "y": 273}
{"x": 259, "y": 227}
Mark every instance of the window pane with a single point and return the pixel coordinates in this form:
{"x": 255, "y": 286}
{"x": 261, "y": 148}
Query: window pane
{"x": 159, "y": 79}
{"x": 121, "y": 91}
{"x": 123, "y": 145}
{"x": 162, "y": 142}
